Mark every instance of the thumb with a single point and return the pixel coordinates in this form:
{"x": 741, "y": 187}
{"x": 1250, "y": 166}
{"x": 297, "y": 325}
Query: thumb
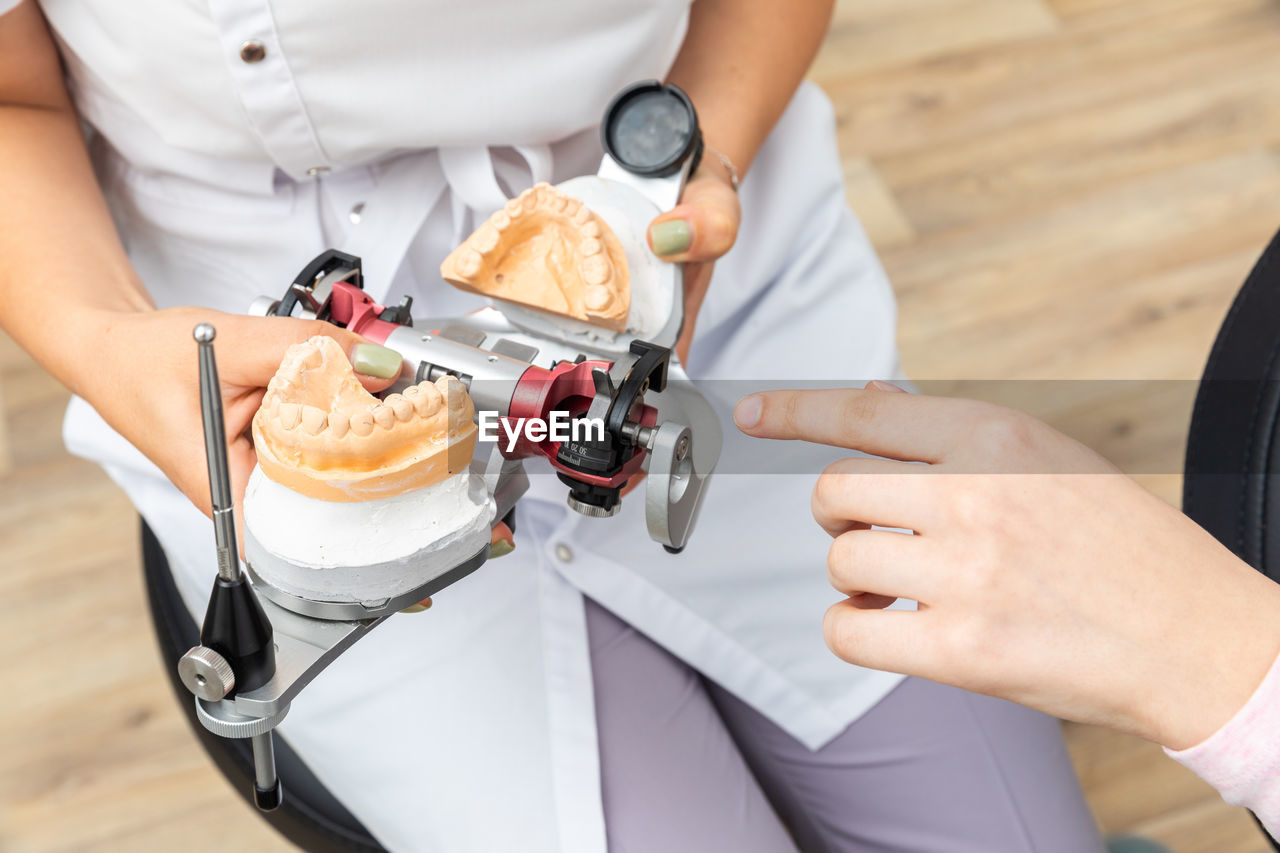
{"x": 702, "y": 227}
{"x": 255, "y": 347}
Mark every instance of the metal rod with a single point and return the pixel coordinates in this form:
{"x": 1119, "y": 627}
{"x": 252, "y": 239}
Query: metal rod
{"x": 215, "y": 449}
{"x": 264, "y": 761}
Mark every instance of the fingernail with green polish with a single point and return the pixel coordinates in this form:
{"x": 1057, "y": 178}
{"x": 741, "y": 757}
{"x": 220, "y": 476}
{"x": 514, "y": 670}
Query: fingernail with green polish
{"x": 375, "y": 360}
{"x": 501, "y": 548}
{"x": 671, "y": 237}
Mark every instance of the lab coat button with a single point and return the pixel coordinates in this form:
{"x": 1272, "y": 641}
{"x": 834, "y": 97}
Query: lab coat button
{"x": 356, "y": 213}
{"x": 564, "y": 553}
{"x": 253, "y": 51}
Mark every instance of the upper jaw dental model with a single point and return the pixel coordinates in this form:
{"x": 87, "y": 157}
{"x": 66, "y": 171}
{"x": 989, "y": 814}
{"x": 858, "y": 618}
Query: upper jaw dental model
{"x": 547, "y": 250}
{"x": 348, "y": 486}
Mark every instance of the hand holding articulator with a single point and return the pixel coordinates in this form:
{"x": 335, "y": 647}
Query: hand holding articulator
{"x": 360, "y": 507}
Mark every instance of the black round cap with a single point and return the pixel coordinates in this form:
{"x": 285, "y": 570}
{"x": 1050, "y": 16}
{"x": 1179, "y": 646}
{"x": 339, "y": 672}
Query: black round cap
{"x": 651, "y": 129}
{"x": 269, "y": 800}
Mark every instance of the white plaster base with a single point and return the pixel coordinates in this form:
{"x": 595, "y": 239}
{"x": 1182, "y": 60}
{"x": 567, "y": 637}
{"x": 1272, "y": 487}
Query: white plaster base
{"x": 331, "y": 551}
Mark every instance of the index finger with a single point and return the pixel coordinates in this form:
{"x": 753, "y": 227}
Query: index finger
{"x": 908, "y": 427}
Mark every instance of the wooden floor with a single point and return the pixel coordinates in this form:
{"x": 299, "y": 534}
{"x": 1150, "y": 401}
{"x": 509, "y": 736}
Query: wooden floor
{"x": 1060, "y": 189}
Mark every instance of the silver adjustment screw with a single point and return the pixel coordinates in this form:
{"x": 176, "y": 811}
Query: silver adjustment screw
{"x": 206, "y": 673}
{"x": 641, "y": 435}
{"x": 682, "y": 448}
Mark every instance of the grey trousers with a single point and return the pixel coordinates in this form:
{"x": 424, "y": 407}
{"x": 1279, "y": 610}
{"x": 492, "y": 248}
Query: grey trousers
{"x": 931, "y": 769}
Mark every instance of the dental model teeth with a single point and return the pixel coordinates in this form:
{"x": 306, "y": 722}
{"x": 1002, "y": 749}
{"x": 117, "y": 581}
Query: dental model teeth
{"x": 319, "y": 433}
{"x": 314, "y": 420}
{"x": 546, "y": 250}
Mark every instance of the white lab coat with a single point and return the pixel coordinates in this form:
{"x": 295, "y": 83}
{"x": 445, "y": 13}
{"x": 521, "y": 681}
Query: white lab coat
{"x": 367, "y": 127}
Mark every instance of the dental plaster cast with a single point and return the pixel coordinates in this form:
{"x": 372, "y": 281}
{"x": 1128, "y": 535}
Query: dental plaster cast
{"x": 547, "y": 250}
{"x": 351, "y": 486}
{"x": 321, "y": 434}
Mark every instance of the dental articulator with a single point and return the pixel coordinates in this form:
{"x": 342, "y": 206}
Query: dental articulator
{"x": 362, "y": 506}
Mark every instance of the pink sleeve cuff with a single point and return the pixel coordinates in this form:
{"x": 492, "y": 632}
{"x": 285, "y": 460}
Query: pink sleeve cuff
{"x": 1242, "y": 759}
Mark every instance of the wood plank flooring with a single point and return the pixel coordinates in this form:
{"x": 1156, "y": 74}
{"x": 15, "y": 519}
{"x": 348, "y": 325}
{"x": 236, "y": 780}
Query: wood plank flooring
{"x": 1063, "y": 190}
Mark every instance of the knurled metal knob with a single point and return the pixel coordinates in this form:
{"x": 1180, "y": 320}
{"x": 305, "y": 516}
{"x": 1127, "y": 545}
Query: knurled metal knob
{"x": 592, "y": 510}
{"x": 206, "y": 673}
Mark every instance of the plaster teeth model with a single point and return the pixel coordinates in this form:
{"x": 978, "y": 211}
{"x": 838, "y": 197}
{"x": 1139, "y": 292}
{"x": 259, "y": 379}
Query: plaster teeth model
{"x": 321, "y": 434}
{"x": 547, "y": 250}
{"x": 355, "y": 498}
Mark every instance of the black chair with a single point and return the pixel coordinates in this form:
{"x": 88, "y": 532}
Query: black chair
{"x": 1234, "y": 444}
{"x": 310, "y": 817}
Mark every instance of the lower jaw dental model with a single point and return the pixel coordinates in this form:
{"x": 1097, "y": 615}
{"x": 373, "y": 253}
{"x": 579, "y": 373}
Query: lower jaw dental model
{"x": 356, "y": 500}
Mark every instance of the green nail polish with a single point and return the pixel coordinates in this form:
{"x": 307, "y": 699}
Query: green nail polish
{"x": 671, "y": 237}
{"x": 501, "y": 548}
{"x": 375, "y": 360}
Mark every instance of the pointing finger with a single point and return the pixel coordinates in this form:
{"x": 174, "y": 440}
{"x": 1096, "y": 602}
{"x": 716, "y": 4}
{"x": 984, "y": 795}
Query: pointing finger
{"x": 902, "y": 426}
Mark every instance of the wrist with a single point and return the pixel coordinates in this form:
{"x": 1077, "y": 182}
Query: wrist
{"x": 91, "y": 342}
{"x": 1224, "y": 663}
{"x": 719, "y": 165}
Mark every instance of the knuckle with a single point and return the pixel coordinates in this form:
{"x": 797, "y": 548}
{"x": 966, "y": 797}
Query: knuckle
{"x": 790, "y": 412}
{"x": 817, "y": 506}
{"x": 314, "y": 328}
{"x": 841, "y": 633}
{"x": 720, "y": 229}
{"x": 820, "y": 497}
{"x": 842, "y": 558}
{"x": 839, "y": 468}
{"x": 857, "y": 411}
{"x": 967, "y": 506}
{"x": 964, "y": 642}
{"x": 979, "y": 649}
{"x": 1002, "y": 433}
{"x": 832, "y": 487}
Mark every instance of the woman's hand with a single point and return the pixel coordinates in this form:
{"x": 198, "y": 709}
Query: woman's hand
{"x": 149, "y": 390}
{"x": 740, "y": 64}
{"x": 147, "y": 384}
{"x": 1043, "y": 574}
{"x": 696, "y": 232}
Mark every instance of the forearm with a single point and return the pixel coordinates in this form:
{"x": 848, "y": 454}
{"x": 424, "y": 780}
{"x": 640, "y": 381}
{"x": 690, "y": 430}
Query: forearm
{"x": 741, "y": 63}
{"x": 65, "y": 273}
